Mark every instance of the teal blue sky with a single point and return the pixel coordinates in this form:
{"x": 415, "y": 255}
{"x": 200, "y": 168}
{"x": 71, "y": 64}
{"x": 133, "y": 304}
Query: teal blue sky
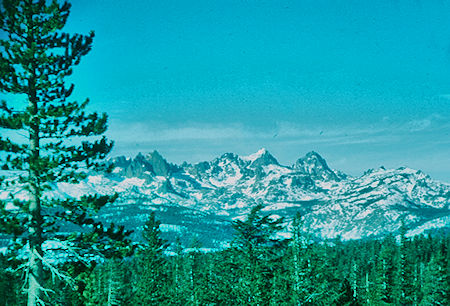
{"x": 364, "y": 83}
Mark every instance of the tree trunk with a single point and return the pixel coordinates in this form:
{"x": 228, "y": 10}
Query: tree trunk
{"x": 35, "y": 272}
{"x": 367, "y": 289}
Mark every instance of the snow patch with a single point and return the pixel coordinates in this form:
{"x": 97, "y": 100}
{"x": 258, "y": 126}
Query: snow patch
{"x": 433, "y": 224}
{"x": 95, "y": 179}
{"x": 252, "y": 157}
{"x": 128, "y": 183}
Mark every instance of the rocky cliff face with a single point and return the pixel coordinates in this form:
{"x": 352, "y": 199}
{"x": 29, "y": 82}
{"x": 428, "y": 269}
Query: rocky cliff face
{"x": 152, "y": 164}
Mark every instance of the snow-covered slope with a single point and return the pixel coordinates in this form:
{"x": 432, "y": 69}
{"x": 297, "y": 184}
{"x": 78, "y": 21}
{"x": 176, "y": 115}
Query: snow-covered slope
{"x": 199, "y": 201}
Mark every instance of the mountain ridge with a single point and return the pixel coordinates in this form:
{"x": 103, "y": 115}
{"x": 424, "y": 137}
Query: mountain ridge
{"x": 332, "y": 203}
{"x": 199, "y": 201}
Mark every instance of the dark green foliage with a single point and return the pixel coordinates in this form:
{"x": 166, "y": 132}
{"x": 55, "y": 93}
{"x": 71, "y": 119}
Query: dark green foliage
{"x": 9, "y": 283}
{"x": 192, "y": 276}
{"x": 260, "y": 254}
{"x": 405, "y": 283}
{"x": 312, "y": 269}
{"x": 345, "y": 295}
{"x": 436, "y": 283}
{"x": 279, "y": 272}
{"x": 386, "y": 269}
{"x": 109, "y": 284}
{"x": 224, "y": 273}
{"x": 150, "y": 267}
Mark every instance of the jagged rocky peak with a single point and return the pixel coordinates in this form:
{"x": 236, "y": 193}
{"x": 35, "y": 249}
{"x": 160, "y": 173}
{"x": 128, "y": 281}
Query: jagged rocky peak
{"x": 261, "y": 158}
{"x": 227, "y": 157}
{"x": 160, "y": 167}
{"x": 315, "y": 165}
{"x": 140, "y": 158}
{"x": 198, "y": 169}
{"x": 136, "y": 167}
{"x": 144, "y": 166}
{"x": 229, "y": 164}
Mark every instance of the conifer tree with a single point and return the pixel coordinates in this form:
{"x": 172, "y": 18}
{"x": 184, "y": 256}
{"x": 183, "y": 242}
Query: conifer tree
{"x": 62, "y": 142}
{"x": 437, "y": 280}
{"x": 353, "y": 278}
{"x": 297, "y": 246}
{"x": 312, "y": 274}
{"x": 197, "y": 279}
{"x": 225, "y": 277}
{"x": 151, "y": 284}
{"x": 179, "y": 278}
{"x": 302, "y": 267}
{"x": 405, "y": 283}
{"x": 345, "y": 295}
{"x": 386, "y": 270}
{"x": 256, "y": 246}
{"x": 108, "y": 284}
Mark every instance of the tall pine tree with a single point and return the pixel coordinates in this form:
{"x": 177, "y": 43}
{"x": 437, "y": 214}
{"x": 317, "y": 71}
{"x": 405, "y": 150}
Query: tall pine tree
{"x": 405, "y": 283}
{"x": 256, "y": 246}
{"x": 109, "y": 284}
{"x": 62, "y": 142}
{"x": 437, "y": 280}
{"x": 151, "y": 284}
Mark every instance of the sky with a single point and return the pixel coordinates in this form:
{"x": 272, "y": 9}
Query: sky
{"x": 363, "y": 83}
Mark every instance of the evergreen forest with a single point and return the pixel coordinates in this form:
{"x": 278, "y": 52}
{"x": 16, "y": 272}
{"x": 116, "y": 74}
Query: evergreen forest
{"x": 258, "y": 268}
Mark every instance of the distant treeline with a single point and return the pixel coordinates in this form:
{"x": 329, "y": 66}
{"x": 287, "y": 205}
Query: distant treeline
{"x": 257, "y": 269}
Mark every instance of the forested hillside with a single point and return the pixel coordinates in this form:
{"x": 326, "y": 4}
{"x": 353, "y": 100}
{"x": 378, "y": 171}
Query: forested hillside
{"x": 257, "y": 269}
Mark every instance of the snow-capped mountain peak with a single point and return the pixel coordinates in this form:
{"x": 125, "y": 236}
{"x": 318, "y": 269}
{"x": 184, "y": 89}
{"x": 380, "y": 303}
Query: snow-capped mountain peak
{"x": 331, "y": 203}
{"x": 256, "y": 155}
{"x": 315, "y": 165}
{"x": 143, "y": 166}
{"x": 260, "y": 158}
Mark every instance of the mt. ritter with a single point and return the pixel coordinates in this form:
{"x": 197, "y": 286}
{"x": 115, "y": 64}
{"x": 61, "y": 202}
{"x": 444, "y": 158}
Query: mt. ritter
{"x": 198, "y": 202}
